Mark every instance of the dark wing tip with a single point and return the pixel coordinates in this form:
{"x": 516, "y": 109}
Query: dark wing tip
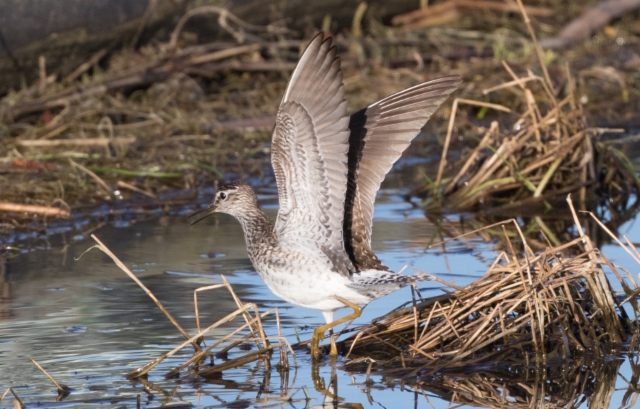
{"x": 379, "y": 134}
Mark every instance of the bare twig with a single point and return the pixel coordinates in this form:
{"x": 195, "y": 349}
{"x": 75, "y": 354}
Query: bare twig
{"x": 124, "y": 268}
{"x": 33, "y": 209}
{"x": 61, "y": 387}
{"x": 589, "y": 21}
{"x": 95, "y": 177}
{"x": 86, "y": 66}
{"x": 42, "y": 143}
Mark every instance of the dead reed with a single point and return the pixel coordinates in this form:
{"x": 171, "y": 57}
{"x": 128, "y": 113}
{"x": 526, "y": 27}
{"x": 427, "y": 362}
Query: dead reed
{"x": 63, "y": 390}
{"x": 17, "y": 402}
{"x": 197, "y": 363}
{"x": 528, "y": 308}
{"x": 547, "y": 152}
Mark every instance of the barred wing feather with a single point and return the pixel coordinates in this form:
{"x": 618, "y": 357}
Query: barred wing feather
{"x": 379, "y": 135}
{"x": 309, "y": 155}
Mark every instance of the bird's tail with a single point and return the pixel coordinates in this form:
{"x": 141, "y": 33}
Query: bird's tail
{"x": 376, "y": 283}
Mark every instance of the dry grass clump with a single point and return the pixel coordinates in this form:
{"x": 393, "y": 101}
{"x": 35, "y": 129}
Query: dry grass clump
{"x": 167, "y": 137}
{"x": 168, "y": 117}
{"x": 545, "y": 154}
{"x": 538, "y": 150}
{"x": 527, "y": 308}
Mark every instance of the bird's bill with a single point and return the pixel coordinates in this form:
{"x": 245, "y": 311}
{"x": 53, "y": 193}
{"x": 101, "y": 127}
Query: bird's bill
{"x": 209, "y": 210}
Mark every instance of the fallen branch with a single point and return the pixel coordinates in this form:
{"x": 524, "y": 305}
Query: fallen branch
{"x": 95, "y": 58}
{"x": 150, "y": 77}
{"x": 40, "y": 143}
{"x": 95, "y": 177}
{"x": 425, "y": 16}
{"x": 129, "y": 186}
{"x": 589, "y": 21}
{"x": 224, "y": 17}
{"x": 33, "y": 209}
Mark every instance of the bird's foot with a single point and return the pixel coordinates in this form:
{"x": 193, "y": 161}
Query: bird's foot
{"x": 318, "y": 334}
{"x": 333, "y": 352}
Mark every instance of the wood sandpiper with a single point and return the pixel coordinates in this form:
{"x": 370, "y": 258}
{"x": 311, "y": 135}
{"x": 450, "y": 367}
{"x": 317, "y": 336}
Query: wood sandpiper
{"x": 328, "y": 167}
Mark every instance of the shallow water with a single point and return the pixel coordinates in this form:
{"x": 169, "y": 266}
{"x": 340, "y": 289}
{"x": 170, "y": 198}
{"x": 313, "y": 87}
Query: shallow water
{"x": 88, "y": 324}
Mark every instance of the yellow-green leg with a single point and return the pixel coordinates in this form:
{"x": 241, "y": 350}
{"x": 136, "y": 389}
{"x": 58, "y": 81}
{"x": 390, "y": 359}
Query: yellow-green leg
{"x": 318, "y": 334}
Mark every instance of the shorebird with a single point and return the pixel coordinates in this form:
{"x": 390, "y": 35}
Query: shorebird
{"x": 328, "y": 167}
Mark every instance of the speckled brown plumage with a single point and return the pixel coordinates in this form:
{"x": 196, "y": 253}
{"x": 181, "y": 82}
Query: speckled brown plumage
{"x": 328, "y": 168}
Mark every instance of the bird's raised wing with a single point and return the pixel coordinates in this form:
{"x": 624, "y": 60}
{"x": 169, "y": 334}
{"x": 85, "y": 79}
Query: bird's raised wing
{"x": 309, "y": 154}
{"x": 379, "y": 135}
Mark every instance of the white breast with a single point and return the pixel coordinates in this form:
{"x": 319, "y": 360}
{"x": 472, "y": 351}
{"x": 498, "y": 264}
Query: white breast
{"x": 304, "y": 277}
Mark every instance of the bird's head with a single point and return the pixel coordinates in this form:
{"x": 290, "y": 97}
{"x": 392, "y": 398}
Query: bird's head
{"x": 236, "y": 199}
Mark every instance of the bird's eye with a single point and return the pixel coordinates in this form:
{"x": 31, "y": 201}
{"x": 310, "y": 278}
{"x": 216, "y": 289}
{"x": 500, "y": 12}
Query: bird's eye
{"x": 223, "y": 195}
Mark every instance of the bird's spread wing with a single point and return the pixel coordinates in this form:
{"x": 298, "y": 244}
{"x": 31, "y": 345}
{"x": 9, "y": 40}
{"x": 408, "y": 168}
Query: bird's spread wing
{"x": 309, "y": 155}
{"x": 379, "y": 135}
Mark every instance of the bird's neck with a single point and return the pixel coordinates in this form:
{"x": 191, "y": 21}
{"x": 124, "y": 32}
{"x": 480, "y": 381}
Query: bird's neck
{"x": 257, "y": 227}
